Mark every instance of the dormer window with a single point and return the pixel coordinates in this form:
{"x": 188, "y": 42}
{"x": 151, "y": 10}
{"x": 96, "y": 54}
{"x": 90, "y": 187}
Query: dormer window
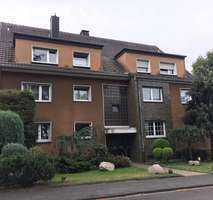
{"x": 46, "y": 56}
{"x": 81, "y": 59}
{"x": 168, "y": 68}
{"x": 142, "y": 66}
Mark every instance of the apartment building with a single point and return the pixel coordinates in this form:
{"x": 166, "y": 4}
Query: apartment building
{"x": 129, "y": 93}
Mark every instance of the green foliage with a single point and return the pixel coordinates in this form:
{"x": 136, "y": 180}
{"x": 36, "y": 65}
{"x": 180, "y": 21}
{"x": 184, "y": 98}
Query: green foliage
{"x": 13, "y": 149}
{"x": 120, "y": 161}
{"x": 11, "y": 128}
{"x": 160, "y": 143}
{"x": 26, "y": 169}
{"x": 167, "y": 154}
{"x": 65, "y": 164}
{"x": 23, "y": 103}
{"x": 157, "y": 153}
{"x": 200, "y": 109}
{"x": 64, "y": 143}
{"x": 186, "y": 136}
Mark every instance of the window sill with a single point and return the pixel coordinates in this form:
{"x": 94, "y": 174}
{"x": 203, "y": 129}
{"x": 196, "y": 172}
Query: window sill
{"x": 41, "y": 101}
{"x": 75, "y": 100}
{"x": 82, "y": 67}
{"x": 44, "y": 63}
{"x": 43, "y": 141}
{"x": 155, "y": 136}
{"x": 143, "y": 72}
{"x": 147, "y": 101}
{"x": 168, "y": 74}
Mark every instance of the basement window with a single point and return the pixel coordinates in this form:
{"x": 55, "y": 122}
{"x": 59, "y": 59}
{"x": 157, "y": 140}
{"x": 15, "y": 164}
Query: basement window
{"x": 44, "y": 131}
{"x": 46, "y": 56}
{"x": 155, "y": 129}
{"x": 81, "y": 60}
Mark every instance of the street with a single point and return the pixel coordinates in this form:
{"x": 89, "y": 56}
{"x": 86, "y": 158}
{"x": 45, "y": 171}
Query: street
{"x": 205, "y": 193}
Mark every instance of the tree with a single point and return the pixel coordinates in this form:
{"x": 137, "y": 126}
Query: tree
{"x": 186, "y": 136}
{"x": 22, "y": 103}
{"x": 200, "y": 109}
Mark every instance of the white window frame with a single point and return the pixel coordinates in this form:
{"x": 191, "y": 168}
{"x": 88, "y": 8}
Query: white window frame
{"x": 157, "y": 101}
{"x": 154, "y": 128}
{"x": 44, "y": 48}
{"x": 180, "y": 95}
{"x": 175, "y": 68}
{"x": 149, "y": 66}
{"x": 39, "y": 140}
{"x": 83, "y": 100}
{"x": 81, "y": 66}
{"x": 82, "y": 122}
{"x": 40, "y": 90}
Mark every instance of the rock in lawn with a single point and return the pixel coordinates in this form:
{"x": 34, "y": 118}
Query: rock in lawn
{"x": 156, "y": 169}
{"x": 194, "y": 162}
{"x": 106, "y": 166}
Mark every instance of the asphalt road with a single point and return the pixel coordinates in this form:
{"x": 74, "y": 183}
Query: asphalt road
{"x": 205, "y": 193}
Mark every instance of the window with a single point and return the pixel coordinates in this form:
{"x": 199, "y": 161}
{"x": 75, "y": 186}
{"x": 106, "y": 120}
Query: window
{"x": 143, "y": 66}
{"x": 185, "y": 96}
{"x": 44, "y": 131}
{"x": 42, "y": 55}
{"x": 41, "y": 92}
{"x": 155, "y": 129}
{"x": 81, "y": 59}
{"x": 82, "y": 93}
{"x": 167, "y": 68}
{"x": 115, "y": 108}
{"x": 81, "y": 125}
{"x": 152, "y": 94}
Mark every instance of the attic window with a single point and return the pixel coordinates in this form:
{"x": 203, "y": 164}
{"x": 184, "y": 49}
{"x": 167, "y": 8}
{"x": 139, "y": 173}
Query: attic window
{"x": 42, "y": 55}
{"x": 81, "y": 60}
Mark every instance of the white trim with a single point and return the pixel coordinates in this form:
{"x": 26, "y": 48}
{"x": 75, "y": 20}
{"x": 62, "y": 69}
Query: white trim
{"x": 40, "y": 90}
{"x": 173, "y": 63}
{"x": 45, "y": 48}
{"x": 82, "y": 100}
{"x": 39, "y": 140}
{"x": 154, "y": 129}
{"x": 86, "y": 52}
{"x": 161, "y": 94}
{"x": 119, "y": 129}
{"x": 82, "y": 122}
{"x": 149, "y": 65}
{"x": 180, "y": 95}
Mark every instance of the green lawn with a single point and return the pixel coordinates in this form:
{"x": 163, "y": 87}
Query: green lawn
{"x": 205, "y": 167}
{"x": 104, "y": 176}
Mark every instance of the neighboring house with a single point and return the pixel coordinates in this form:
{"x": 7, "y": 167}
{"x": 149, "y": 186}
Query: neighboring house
{"x": 129, "y": 93}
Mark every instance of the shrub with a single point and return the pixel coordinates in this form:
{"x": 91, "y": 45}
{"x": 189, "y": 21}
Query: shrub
{"x": 160, "y": 143}
{"x": 26, "y": 169}
{"x": 65, "y": 164}
{"x": 157, "y": 153}
{"x": 167, "y": 154}
{"x": 119, "y": 161}
{"x": 22, "y": 103}
{"x": 13, "y": 149}
{"x": 11, "y": 128}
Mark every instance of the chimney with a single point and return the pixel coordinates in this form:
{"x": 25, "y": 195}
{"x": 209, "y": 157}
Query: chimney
{"x": 84, "y": 32}
{"x": 54, "y": 26}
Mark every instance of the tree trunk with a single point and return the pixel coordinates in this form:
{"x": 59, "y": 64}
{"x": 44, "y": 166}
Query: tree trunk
{"x": 190, "y": 152}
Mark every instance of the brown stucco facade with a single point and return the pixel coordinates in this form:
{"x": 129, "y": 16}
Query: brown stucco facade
{"x": 23, "y": 53}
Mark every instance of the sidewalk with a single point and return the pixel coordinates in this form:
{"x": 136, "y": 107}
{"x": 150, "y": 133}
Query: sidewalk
{"x": 95, "y": 191}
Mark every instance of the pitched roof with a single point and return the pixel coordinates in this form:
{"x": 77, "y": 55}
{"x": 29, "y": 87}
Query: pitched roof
{"x": 110, "y": 47}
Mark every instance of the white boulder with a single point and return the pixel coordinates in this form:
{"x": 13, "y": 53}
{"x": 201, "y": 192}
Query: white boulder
{"x": 106, "y": 166}
{"x": 194, "y": 162}
{"x": 156, "y": 169}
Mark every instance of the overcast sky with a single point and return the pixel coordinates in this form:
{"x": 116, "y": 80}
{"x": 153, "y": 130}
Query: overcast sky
{"x": 176, "y": 26}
